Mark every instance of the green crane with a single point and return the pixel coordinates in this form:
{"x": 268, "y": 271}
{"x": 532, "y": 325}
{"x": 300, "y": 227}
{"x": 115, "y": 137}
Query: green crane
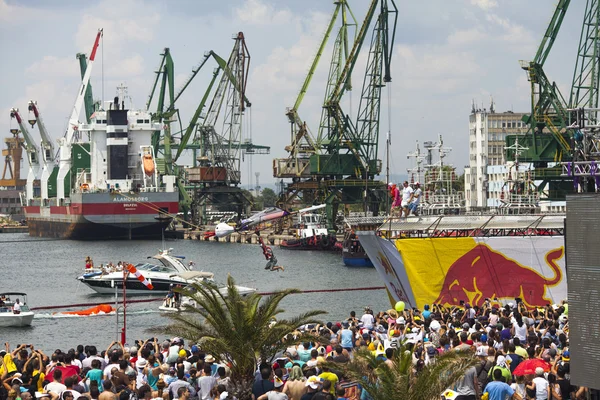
{"x": 88, "y": 100}
{"x": 302, "y": 142}
{"x": 222, "y": 150}
{"x": 550, "y": 138}
{"x": 342, "y": 167}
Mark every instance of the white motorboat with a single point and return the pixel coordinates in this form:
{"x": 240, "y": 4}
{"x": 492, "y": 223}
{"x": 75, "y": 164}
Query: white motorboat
{"x": 162, "y": 270}
{"x": 7, "y": 313}
{"x": 170, "y": 303}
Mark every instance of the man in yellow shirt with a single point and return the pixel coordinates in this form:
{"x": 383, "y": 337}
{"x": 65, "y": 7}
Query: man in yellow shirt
{"x": 7, "y": 365}
{"x": 331, "y": 377}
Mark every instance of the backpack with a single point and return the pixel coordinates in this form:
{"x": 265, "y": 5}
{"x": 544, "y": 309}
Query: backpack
{"x": 482, "y": 371}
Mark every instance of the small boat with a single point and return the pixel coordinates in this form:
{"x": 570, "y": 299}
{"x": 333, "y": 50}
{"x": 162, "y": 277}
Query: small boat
{"x": 353, "y": 254}
{"x": 312, "y": 235}
{"x": 161, "y": 270}
{"x": 7, "y": 315}
{"x": 171, "y": 305}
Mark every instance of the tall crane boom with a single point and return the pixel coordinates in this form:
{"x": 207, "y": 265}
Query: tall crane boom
{"x": 47, "y": 145}
{"x": 30, "y": 146}
{"x": 303, "y": 144}
{"x": 584, "y": 89}
{"x": 74, "y": 119}
{"x": 66, "y": 141}
{"x": 47, "y": 148}
{"x": 32, "y": 154}
{"x": 88, "y": 99}
{"x": 551, "y": 32}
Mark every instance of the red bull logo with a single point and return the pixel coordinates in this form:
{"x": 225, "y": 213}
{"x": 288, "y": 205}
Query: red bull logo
{"x": 484, "y": 273}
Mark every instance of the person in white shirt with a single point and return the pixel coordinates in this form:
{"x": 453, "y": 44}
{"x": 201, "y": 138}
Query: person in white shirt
{"x": 415, "y": 200}
{"x": 539, "y": 384}
{"x": 406, "y": 197}
{"x": 55, "y": 386}
{"x": 367, "y": 319}
{"x": 17, "y": 307}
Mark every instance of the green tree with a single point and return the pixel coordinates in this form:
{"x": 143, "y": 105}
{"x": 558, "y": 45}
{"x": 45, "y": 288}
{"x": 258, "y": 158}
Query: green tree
{"x": 269, "y": 197}
{"x": 240, "y": 331}
{"x": 400, "y": 381}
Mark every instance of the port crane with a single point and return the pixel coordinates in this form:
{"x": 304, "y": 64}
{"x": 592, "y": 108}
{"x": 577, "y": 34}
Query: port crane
{"x": 340, "y": 165}
{"x": 215, "y": 173}
{"x": 47, "y": 148}
{"x": 72, "y": 130}
{"x": 88, "y": 100}
{"x": 32, "y": 154}
{"x": 563, "y": 132}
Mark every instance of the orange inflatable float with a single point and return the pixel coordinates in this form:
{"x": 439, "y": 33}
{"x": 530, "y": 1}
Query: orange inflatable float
{"x": 102, "y": 308}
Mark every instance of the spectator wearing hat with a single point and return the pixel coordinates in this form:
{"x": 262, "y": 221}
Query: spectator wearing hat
{"x": 539, "y": 384}
{"x": 502, "y": 365}
{"x": 313, "y": 384}
{"x": 483, "y": 367}
{"x": 426, "y": 312}
{"x": 276, "y": 392}
{"x": 212, "y": 363}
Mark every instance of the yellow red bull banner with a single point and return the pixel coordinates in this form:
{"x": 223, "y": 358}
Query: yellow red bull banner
{"x": 450, "y": 270}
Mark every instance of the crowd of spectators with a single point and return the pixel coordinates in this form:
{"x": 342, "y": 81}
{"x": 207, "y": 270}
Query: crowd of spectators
{"x": 522, "y": 353}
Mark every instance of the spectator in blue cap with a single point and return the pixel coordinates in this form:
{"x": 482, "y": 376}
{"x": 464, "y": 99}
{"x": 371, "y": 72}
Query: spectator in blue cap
{"x": 426, "y": 313}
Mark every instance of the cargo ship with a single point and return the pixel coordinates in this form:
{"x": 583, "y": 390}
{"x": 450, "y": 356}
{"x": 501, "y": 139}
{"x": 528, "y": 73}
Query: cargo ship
{"x": 106, "y": 184}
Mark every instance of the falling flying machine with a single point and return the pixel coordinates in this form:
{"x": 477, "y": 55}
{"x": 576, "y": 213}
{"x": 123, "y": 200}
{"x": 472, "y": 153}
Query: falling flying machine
{"x": 224, "y": 229}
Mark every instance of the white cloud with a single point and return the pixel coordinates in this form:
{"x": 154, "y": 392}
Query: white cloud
{"x": 257, "y": 12}
{"x": 485, "y": 4}
{"x": 14, "y": 15}
{"x": 53, "y": 67}
{"x": 467, "y": 37}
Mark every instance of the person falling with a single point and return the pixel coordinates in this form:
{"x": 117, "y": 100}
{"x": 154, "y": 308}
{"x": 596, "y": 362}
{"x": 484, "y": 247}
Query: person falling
{"x": 271, "y": 259}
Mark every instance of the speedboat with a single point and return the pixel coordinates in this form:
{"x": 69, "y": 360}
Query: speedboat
{"x": 171, "y": 305}
{"x": 162, "y": 270}
{"x": 7, "y": 315}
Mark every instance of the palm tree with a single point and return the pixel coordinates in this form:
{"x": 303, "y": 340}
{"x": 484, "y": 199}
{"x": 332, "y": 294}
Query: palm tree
{"x": 239, "y": 331}
{"x": 400, "y": 381}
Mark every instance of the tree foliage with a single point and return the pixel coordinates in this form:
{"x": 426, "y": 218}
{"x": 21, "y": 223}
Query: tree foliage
{"x": 401, "y": 381}
{"x": 269, "y": 197}
{"x": 236, "y": 330}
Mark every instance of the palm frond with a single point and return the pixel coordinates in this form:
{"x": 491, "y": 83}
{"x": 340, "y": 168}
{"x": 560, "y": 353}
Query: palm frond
{"x": 400, "y": 381}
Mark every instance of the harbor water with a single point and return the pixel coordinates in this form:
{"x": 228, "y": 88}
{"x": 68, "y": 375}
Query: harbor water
{"x": 47, "y": 270}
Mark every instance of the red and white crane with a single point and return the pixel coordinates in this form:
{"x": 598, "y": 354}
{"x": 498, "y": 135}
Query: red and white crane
{"x": 65, "y": 142}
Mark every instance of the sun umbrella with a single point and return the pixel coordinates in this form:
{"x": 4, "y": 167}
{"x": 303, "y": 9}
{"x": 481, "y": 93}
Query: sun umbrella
{"x": 528, "y": 367}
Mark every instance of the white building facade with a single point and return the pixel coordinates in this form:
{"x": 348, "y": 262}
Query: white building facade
{"x": 487, "y": 138}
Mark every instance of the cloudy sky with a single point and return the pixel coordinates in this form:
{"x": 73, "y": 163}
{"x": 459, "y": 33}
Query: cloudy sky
{"x": 447, "y": 54}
